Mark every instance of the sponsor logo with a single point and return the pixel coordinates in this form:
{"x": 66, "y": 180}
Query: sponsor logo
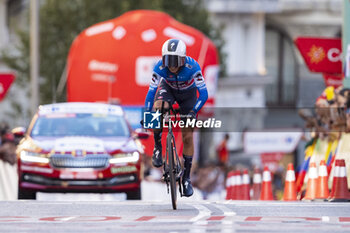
{"x": 172, "y": 45}
{"x": 144, "y": 70}
{"x": 95, "y": 65}
{"x": 151, "y": 120}
{"x": 99, "y": 29}
{"x": 316, "y": 54}
{"x": 193, "y": 123}
{"x": 161, "y": 91}
{"x": 174, "y": 33}
{"x": 37, "y": 169}
{"x": 126, "y": 169}
{"x": 334, "y": 55}
{"x": 180, "y": 84}
{"x": 79, "y": 153}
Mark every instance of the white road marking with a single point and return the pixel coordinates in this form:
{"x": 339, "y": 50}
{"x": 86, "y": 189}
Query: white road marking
{"x": 226, "y": 211}
{"x": 203, "y": 212}
{"x": 325, "y": 219}
{"x": 200, "y": 226}
{"x": 67, "y": 219}
{"x": 226, "y": 225}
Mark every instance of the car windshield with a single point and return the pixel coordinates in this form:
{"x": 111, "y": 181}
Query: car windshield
{"x": 58, "y": 125}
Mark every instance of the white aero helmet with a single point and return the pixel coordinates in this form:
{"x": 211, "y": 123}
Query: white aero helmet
{"x": 173, "y": 53}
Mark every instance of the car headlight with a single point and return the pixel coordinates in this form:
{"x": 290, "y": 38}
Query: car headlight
{"x": 33, "y": 157}
{"x": 125, "y": 158}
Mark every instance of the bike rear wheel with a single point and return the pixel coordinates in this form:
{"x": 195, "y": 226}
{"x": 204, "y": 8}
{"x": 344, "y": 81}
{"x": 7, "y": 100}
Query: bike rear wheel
{"x": 172, "y": 172}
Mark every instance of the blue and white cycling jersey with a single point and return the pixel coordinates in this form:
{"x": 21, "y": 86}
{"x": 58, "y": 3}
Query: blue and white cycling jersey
{"x": 189, "y": 76}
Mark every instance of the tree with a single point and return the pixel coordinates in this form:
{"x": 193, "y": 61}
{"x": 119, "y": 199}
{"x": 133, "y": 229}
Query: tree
{"x": 62, "y": 20}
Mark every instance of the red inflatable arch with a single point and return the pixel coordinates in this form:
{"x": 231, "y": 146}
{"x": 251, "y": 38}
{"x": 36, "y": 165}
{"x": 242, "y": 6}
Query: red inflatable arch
{"x": 113, "y": 60}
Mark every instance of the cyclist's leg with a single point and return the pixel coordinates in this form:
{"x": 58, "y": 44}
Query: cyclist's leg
{"x": 188, "y": 149}
{"x": 158, "y": 104}
{"x": 186, "y": 103}
{"x": 163, "y": 99}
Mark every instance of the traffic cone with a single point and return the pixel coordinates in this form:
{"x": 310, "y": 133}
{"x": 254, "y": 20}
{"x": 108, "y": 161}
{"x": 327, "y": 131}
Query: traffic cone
{"x": 290, "y": 193}
{"x": 266, "y": 191}
{"x": 229, "y": 186}
{"x": 238, "y": 185}
{"x": 322, "y": 191}
{"x": 234, "y": 186}
{"x": 245, "y": 185}
{"x": 340, "y": 190}
{"x": 256, "y": 184}
{"x": 311, "y": 183}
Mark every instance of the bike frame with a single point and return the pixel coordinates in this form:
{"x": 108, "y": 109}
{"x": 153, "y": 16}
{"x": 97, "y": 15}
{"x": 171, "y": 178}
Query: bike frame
{"x": 172, "y": 165}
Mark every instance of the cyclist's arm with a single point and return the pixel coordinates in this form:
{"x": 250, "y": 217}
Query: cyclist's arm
{"x": 202, "y": 89}
{"x": 152, "y": 91}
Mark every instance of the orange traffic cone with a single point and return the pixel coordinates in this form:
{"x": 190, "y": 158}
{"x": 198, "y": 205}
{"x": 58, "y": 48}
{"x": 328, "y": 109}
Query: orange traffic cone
{"x": 234, "y": 186}
{"x": 266, "y": 191}
{"x": 229, "y": 183}
{"x": 322, "y": 191}
{"x": 256, "y": 184}
{"x": 238, "y": 185}
{"x": 340, "y": 190}
{"x": 290, "y": 193}
{"x": 245, "y": 185}
{"x": 311, "y": 183}
{"x": 335, "y": 178}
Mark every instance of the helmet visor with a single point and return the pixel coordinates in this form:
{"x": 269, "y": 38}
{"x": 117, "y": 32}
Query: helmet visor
{"x": 173, "y": 61}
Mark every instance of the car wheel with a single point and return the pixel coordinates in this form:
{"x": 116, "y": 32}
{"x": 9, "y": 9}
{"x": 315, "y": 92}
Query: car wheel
{"x": 134, "y": 195}
{"x": 25, "y": 194}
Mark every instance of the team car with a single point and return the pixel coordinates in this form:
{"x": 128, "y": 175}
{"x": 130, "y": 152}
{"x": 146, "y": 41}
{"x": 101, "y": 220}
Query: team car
{"x": 80, "y": 147}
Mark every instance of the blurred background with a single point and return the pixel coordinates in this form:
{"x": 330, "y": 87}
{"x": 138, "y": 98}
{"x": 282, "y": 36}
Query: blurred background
{"x": 261, "y": 74}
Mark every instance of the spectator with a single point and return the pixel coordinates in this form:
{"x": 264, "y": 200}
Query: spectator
{"x": 18, "y": 133}
{"x": 7, "y": 145}
{"x": 210, "y": 180}
{"x": 4, "y": 128}
{"x": 222, "y": 150}
{"x": 151, "y": 173}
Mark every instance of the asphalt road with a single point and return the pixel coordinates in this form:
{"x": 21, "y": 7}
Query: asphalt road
{"x": 191, "y": 216}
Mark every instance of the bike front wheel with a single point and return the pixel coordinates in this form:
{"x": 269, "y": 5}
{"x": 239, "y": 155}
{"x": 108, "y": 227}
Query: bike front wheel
{"x": 172, "y": 171}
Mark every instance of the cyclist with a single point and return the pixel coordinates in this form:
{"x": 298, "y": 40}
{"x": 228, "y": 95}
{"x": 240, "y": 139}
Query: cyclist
{"x": 177, "y": 77}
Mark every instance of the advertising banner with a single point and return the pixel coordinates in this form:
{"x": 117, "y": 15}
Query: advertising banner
{"x": 334, "y": 80}
{"x": 113, "y": 61}
{"x": 321, "y": 54}
{"x": 271, "y": 160}
{"x": 269, "y": 142}
{"x": 6, "y": 79}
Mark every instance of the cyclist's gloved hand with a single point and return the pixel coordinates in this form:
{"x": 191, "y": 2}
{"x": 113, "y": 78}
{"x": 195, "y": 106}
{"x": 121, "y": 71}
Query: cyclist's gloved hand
{"x": 191, "y": 115}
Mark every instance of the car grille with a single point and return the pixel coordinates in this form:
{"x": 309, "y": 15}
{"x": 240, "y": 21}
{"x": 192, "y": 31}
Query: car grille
{"x": 89, "y": 161}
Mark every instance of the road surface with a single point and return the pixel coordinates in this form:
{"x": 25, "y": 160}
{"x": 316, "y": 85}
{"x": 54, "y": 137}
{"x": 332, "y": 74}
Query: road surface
{"x": 158, "y": 216}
